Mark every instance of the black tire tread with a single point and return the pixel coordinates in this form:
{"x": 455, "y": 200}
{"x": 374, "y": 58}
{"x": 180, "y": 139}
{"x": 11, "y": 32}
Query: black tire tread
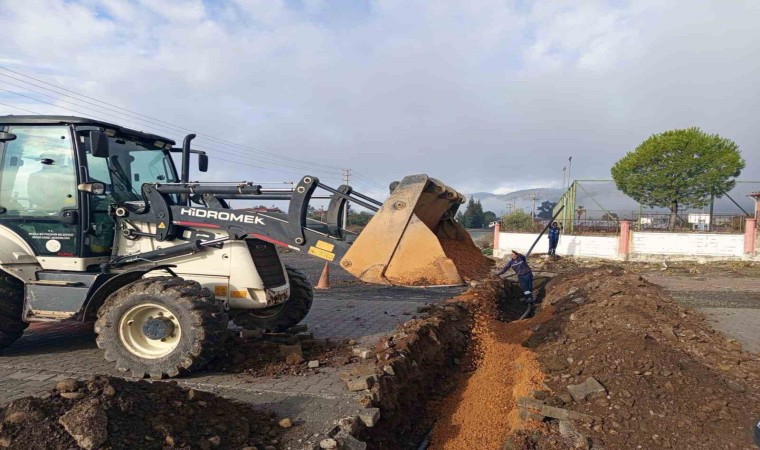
{"x": 294, "y": 309}
{"x": 12, "y": 325}
{"x": 209, "y": 322}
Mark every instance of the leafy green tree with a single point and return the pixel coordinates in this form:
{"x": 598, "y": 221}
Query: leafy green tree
{"x": 679, "y": 169}
{"x": 488, "y": 217}
{"x": 518, "y": 221}
{"x": 545, "y": 210}
{"x": 473, "y": 214}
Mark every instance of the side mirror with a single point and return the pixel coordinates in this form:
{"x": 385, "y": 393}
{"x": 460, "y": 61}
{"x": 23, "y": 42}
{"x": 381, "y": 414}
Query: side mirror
{"x": 99, "y": 144}
{"x": 203, "y": 162}
{"x": 5, "y": 137}
{"x": 95, "y": 188}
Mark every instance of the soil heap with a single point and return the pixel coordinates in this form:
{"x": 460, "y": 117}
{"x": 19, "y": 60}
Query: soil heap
{"x": 106, "y": 412}
{"x": 668, "y": 380}
{"x": 655, "y": 374}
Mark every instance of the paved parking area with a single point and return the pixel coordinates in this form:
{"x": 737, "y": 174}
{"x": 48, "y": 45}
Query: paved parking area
{"x": 49, "y": 352}
{"x": 731, "y": 304}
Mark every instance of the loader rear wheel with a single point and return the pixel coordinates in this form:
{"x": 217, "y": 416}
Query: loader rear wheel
{"x": 161, "y": 327}
{"x": 285, "y": 315}
{"x": 11, "y": 309}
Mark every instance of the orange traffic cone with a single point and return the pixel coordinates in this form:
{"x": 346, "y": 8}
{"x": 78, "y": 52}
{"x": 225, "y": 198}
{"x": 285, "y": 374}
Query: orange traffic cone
{"x": 324, "y": 279}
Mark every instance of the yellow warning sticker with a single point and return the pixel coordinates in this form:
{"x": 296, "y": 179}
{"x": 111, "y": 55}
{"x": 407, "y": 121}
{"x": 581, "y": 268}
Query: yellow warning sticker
{"x": 220, "y": 290}
{"x": 324, "y": 254}
{"x": 326, "y": 246}
{"x": 161, "y": 225}
{"x": 238, "y": 294}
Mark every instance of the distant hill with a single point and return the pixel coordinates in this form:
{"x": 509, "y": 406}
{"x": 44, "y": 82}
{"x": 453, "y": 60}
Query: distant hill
{"x": 521, "y": 199}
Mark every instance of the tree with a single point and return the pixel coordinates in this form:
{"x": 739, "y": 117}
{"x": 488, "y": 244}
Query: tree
{"x": 473, "y": 214}
{"x": 546, "y": 210}
{"x": 518, "y": 221}
{"x": 361, "y": 218}
{"x": 679, "y": 169}
{"x": 489, "y": 217}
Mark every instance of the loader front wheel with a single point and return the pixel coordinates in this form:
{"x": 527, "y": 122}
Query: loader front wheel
{"x": 285, "y": 315}
{"x": 161, "y": 327}
{"x": 11, "y": 309}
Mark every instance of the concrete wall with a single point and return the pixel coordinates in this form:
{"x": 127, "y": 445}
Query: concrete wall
{"x": 589, "y": 246}
{"x": 687, "y": 244}
{"x": 643, "y": 245}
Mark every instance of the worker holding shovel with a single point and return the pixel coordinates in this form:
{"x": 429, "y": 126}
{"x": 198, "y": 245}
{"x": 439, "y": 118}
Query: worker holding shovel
{"x": 519, "y": 264}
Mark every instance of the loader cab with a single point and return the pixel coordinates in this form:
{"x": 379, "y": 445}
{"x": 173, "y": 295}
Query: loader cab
{"x": 45, "y": 161}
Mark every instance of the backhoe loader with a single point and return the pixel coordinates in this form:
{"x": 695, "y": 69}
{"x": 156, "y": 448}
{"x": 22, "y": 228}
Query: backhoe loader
{"x": 97, "y": 225}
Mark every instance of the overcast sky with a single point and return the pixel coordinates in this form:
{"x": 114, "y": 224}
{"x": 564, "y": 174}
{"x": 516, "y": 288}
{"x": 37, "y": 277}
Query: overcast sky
{"x": 484, "y": 95}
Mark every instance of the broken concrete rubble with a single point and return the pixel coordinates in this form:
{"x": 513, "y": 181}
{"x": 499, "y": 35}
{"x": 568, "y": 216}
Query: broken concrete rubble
{"x": 588, "y": 388}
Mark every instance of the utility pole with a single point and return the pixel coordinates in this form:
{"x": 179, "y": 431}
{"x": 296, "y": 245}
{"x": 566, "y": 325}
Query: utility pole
{"x": 534, "y": 196}
{"x": 569, "y": 167}
{"x": 346, "y": 181}
{"x": 564, "y": 172}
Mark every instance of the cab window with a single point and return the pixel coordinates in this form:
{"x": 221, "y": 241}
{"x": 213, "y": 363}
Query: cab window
{"x": 38, "y": 172}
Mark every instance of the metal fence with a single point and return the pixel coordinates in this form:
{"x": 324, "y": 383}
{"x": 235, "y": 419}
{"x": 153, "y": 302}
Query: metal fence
{"x": 597, "y": 206}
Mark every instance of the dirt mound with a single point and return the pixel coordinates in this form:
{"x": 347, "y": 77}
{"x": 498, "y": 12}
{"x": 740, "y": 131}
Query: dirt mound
{"x": 665, "y": 378}
{"x": 609, "y": 361}
{"x": 106, "y": 412}
{"x": 470, "y": 261}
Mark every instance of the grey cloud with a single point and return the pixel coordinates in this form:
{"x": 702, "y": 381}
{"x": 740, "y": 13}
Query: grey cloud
{"x": 480, "y": 94}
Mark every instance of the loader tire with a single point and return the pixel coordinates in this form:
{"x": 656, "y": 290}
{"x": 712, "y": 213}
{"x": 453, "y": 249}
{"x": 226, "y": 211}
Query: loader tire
{"x": 12, "y": 325}
{"x": 161, "y": 327}
{"x": 284, "y": 316}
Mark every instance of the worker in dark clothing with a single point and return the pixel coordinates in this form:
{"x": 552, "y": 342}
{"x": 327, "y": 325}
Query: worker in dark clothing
{"x": 519, "y": 264}
{"x": 553, "y": 238}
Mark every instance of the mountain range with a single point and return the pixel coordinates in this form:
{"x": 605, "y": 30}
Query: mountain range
{"x": 522, "y": 199}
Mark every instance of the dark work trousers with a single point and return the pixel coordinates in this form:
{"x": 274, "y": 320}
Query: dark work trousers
{"x": 526, "y": 283}
{"x": 553, "y": 246}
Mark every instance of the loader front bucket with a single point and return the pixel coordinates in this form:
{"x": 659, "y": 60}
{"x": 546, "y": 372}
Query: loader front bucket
{"x": 413, "y": 239}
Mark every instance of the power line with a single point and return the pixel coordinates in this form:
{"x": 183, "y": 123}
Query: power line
{"x": 155, "y": 121}
{"x": 276, "y": 164}
{"x": 301, "y": 167}
{"x": 200, "y": 135}
{"x": 19, "y": 108}
{"x": 161, "y": 124}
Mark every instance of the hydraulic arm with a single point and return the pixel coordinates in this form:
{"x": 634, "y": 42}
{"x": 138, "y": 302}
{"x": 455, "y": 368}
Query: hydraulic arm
{"x": 402, "y": 244}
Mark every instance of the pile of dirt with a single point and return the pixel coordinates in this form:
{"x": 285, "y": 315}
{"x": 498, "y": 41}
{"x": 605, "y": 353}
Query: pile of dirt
{"x": 268, "y": 354}
{"x": 655, "y": 374}
{"x": 469, "y": 260}
{"x": 106, "y": 412}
